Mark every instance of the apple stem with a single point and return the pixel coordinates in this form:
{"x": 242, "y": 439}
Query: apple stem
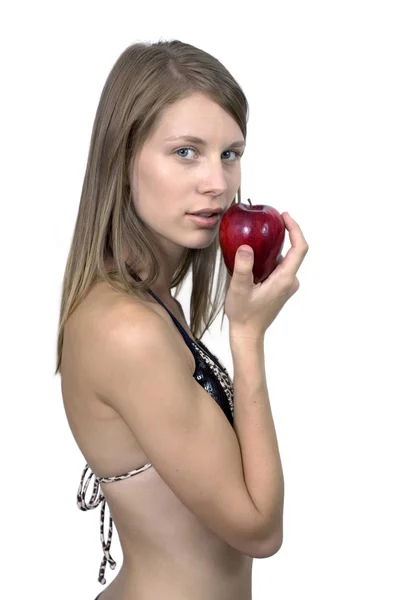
{"x": 248, "y": 200}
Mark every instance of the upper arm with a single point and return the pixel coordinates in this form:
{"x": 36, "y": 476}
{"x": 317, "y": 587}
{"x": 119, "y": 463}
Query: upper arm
{"x": 181, "y": 429}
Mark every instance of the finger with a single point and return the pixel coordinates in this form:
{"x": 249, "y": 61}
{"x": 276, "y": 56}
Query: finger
{"x": 242, "y": 276}
{"x": 299, "y": 248}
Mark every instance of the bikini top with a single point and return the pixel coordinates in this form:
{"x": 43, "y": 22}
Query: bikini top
{"x": 212, "y": 376}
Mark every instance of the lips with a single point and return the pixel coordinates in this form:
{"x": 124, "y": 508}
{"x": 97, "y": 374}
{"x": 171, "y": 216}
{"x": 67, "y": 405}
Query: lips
{"x": 206, "y": 210}
{"x": 205, "y": 215}
{"x": 205, "y": 221}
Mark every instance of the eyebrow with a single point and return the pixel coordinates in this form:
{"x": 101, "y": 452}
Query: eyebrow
{"x": 197, "y": 140}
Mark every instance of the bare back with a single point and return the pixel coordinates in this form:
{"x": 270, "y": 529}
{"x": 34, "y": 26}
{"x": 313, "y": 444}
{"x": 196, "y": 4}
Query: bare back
{"x": 168, "y": 552}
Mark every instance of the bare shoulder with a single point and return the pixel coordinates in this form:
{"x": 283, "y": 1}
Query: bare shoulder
{"x": 108, "y": 321}
{"x": 104, "y": 307}
{"x": 100, "y": 312}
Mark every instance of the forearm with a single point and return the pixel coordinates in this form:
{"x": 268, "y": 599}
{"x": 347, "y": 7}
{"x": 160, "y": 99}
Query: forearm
{"x": 255, "y": 430}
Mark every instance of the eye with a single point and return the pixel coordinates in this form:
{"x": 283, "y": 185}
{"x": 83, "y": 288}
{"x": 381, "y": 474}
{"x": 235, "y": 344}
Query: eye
{"x": 238, "y": 154}
{"x": 185, "y": 149}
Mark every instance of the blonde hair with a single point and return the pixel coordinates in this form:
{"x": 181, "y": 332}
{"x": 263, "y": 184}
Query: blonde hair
{"x": 146, "y": 78}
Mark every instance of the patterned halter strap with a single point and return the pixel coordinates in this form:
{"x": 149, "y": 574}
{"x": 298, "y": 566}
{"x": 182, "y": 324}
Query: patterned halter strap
{"x": 96, "y": 498}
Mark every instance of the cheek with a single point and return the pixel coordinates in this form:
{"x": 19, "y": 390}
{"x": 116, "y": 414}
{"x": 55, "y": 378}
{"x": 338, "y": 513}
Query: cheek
{"x": 161, "y": 174}
{"x": 159, "y": 189}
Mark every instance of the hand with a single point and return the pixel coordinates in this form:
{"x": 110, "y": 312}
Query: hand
{"x": 250, "y": 307}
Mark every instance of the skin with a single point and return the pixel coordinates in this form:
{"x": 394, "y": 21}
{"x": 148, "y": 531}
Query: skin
{"x": 167, "y": 552}
{"x": 169, "y": 180}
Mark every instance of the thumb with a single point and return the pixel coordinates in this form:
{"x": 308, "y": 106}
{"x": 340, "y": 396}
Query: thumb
{"x": 243, "y": 269}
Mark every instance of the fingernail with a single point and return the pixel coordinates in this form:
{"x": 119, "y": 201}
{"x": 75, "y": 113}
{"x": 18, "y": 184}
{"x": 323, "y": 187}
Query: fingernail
{"x": 244, "y": 254}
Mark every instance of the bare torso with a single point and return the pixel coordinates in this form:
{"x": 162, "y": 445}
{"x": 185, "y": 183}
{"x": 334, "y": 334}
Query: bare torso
{"x": 168, "y": 552}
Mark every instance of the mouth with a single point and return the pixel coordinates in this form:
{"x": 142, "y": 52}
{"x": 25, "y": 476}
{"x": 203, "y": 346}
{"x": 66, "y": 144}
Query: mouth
{"x": 211, "y": 221}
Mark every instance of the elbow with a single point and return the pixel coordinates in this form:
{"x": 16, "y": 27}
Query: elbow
{"x": 267, "y": 543}
{"x": 262, "y": 549}
{"x": 270, "y": 537}
{"x": 264, "y": 538}
{"x": 268, "y": 547}
{"x": 272, "y": 546}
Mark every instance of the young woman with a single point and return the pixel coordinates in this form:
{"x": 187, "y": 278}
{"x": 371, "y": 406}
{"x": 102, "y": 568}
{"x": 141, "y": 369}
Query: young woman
{"x": 190, "y": 470}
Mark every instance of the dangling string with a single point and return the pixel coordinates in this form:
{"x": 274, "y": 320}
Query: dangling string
{"x": 98, "y": 498}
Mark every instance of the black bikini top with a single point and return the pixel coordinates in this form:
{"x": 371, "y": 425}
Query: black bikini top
{"x": 211, "y": 375}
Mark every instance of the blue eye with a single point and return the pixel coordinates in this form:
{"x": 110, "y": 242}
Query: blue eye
{"x": 237, "y": 154}
{"x": 180, "y": 149}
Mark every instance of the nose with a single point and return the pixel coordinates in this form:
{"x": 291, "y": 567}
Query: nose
{"x": 213, "y": 179}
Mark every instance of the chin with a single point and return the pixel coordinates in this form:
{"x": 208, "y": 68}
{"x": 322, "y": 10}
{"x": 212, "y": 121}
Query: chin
{"x": 205, "y": 242}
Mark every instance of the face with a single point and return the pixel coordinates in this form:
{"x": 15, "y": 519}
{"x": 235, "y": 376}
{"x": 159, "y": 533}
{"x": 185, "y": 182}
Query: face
{"x": 171, "y": 178}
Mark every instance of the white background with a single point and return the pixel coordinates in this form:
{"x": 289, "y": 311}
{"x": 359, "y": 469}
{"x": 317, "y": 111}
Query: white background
{"x": 322, "y": 80}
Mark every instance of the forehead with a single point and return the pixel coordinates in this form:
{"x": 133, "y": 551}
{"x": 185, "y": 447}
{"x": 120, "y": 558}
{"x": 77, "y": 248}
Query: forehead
{"x": 197, "y": 115}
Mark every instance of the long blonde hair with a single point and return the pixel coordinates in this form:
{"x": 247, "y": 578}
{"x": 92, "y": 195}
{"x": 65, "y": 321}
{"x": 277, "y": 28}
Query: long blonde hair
{"x": 145, "y": 79}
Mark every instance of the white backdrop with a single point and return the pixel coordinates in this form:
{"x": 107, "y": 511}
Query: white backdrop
{"x": 322, "y": 80}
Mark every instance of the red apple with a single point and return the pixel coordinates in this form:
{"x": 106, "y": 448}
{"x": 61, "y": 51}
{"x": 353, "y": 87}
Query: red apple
{"x": 261, "y": 227}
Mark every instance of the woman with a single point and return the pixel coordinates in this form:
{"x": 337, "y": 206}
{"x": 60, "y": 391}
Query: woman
{"x": 193, "y": 480}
